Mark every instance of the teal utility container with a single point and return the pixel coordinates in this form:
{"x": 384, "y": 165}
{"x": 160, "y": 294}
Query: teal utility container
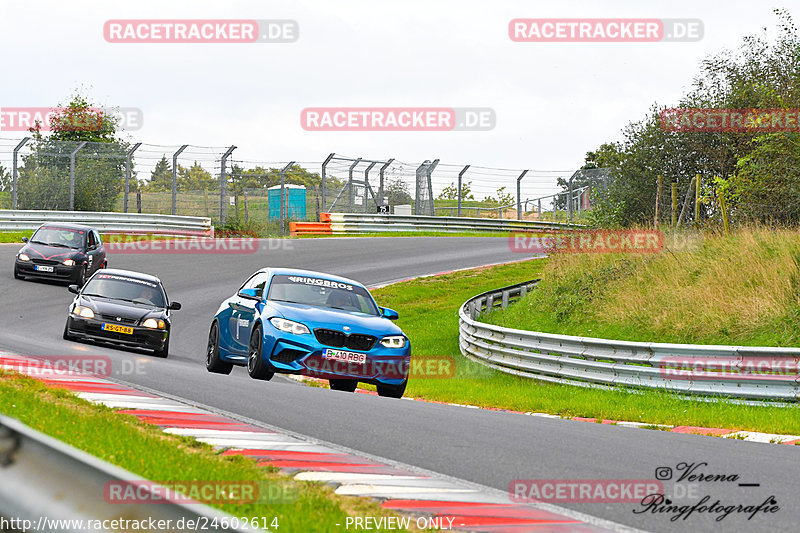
{"x": 295, "y": 202}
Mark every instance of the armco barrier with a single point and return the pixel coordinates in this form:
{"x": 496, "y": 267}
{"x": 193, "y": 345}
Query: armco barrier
{"x": 344, "y": 223}
{"x": 109, "y": 222}
{"x": 585, "y": 361}
{"x": 43, "y": 478}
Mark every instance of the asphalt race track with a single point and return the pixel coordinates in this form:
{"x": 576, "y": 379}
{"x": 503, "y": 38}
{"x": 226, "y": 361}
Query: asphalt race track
{"x": 490, "y": 448}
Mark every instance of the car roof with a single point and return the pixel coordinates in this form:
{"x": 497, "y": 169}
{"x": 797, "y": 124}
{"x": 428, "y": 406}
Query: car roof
{"x": 310, "y": 274}
{"x": 129, "y": 274}
{"x": 67, "y": 225}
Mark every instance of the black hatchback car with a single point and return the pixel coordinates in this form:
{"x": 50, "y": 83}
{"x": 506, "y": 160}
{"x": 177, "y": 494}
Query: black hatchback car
{"x": 121, "y": 307}
{"x": 69, "y": 252}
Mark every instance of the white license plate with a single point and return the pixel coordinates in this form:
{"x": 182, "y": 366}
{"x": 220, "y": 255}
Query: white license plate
{"x": 347, "y": 357}
{"x": 43, "y": 268}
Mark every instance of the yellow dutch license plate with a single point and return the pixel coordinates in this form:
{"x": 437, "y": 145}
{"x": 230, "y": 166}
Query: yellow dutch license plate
{"x": 116, "y": 328}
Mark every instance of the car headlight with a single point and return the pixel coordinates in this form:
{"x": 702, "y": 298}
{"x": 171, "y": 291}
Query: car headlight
{"x": 23, "y": 257}
{"x": 289, "y": 326}
{"x": 394, "y": 341}
{"x": 69, "y": 262}
{"x": 152, "y": 323}
{"x": 83, "y": 312}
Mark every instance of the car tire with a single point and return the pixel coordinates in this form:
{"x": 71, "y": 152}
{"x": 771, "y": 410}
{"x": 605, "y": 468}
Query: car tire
{"x": 255, "y": 358}
{"x": 346, "y": 385}
{"x": 66, "y": 336}
{"x": 163, "y": 352}
{"x": 213, "y": 362}
{"x": 392, "y": 391}
{"x": 80, "y": 279}
{"x": 105, "y": 264}
{"x": 17, "y": 275}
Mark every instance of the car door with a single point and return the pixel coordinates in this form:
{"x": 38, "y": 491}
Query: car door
{"x": 101, "y": 251}
{"x": 243, "y": 313}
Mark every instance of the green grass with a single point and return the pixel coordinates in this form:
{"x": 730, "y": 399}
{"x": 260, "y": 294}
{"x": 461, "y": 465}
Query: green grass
{"x": 14, "y": 236}
{"x": 146, "y": 451}
{"x": 428, "y": 310}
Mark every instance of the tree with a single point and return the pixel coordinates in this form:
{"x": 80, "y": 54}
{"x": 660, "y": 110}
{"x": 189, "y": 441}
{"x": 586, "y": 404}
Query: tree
{"x": 195, "y": 178}
{"x": 5, "y": 179}
{"x": 397, "y": 192}
{"x": 99, "y": 164}
{"x": 451, "y": 192}
{"x": 160, "y": 177}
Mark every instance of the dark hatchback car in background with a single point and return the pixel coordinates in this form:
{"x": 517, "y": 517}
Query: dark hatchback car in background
{"x": 68, "y": 252}
{"x": 121, "y": 307}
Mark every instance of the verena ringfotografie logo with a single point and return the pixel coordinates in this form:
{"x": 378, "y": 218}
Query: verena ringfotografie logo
{"x": 201, "y": 31}
{"x": 588, "y": 242}
{"x": 588, "y": 30}
{"x": 398, "y": 119}
{"x": 89, "y": 119}
{"x": 583, "y": 490}
{"x": 730, "y": 120}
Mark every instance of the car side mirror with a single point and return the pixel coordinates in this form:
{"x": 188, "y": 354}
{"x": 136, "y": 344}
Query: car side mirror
{"x": 174, "y": 306}
{"x": 249, "y": 294}
{"x": 25, "y": 240}
{"x": 74, "y": 289}
{"x": 391, "y": 314}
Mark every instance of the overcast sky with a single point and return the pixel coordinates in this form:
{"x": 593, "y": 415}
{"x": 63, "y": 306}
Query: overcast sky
{"x": 554, "y": 101}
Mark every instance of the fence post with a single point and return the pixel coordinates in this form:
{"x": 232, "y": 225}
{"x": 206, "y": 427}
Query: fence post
{"x": 686, "y": 202}
{"x": 284, "y": 207}
{"x": 380, "y": 185}
{"x": 246, "y": 214}
{"x": 14, "y": 174}
{"x": 659, "y": 178}
{"x": 723, "y": 205}
{"x": 460, "y": 175}
{"x": 175, "y": 176}
{"x": 519, "y": 194}
{"x": 697, "y": 183}
{"x": 350, "y": 185}
{"x": 539, "y": 211}
{"x": 223, "y": 187}
{"x": 72, "y": 175}
{"x": 569, "y": 201}
{"x": 674, "y": 203}
{"x": 366, "y": 183}
{"x": 322, "y": 183}
{"x": 138, "y": 201}
{"x": 429, "y": 172}
{"x": 128, "y": 175}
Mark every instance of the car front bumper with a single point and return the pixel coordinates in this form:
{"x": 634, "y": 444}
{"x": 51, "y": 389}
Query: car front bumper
{"x": 303, "y": 354}
{"x": 60, "y": 272}
{"x": 90, "y": 328}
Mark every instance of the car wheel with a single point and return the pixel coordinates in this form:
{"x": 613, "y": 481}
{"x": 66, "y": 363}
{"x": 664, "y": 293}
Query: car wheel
{"x": 213, "y": 362}
{"x": 255, "y": 359}
{"x": 392, "y": 391}
{"x": 163, "y": 352}
{"x": 346, "y": 385}
{"x": 105, "y": 264}
{"x": 17, "y": 275}
{"x": 80, "y": 280}
{"x": 66, "y": 336}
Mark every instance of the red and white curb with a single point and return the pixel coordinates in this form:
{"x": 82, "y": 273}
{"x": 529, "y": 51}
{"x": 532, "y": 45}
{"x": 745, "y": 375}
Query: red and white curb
{"x": 426, "y": 496}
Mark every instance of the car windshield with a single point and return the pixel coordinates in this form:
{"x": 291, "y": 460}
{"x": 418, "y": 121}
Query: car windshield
{"x": 126, "y": 289}
{"x": 55, "y": 236}
{"x": 321, "y": 293}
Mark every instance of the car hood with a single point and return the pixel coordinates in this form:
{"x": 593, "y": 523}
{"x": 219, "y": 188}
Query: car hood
{"x": 40, "y": 251}
{"x": 320, "y": 317}
{"x": 120, "y": 309}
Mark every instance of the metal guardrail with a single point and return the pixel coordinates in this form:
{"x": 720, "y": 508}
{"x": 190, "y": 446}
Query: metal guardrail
{"x": 764, "y": 373}
{"x": 11, "y": 220}
{"x": 361, "y": 223}
{"x": 43, "y": 478}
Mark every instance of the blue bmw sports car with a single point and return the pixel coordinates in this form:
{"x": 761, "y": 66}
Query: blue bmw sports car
{"x": 301, "y": 322}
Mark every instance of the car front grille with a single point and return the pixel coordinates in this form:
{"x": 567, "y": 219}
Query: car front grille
{"x": 337, "y": 339}
{"x": 114, "y": 319}
{"x": 44, "y": 261}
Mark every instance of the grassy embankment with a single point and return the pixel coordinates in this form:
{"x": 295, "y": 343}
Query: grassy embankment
{"x": 743, "y": 289}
